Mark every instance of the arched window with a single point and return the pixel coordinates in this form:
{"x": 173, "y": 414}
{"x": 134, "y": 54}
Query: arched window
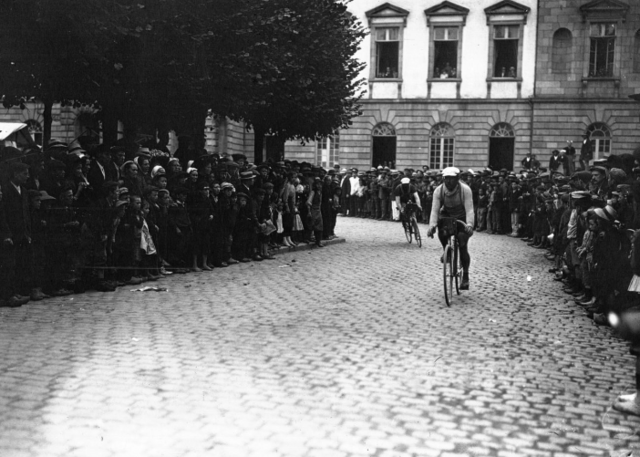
{"x": 441, "y": 146}
{"x": 561, "y": 51}
{"x": 384, "y": 129}
{"x": 502, "y": 140}
{"x": 383, "y": 145}
{"x": 636, "y": 53}
{"x": 600, "y": 137}
{"x": 35, "y": 129}
{"x": 502, "y": 130}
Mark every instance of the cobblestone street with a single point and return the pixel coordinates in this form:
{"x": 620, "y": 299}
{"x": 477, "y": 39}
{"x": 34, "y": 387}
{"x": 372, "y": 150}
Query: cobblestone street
{"x": 344, "y": 351}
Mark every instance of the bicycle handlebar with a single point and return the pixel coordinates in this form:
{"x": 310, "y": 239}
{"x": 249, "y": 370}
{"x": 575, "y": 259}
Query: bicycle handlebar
{"x": 458, "y": 221}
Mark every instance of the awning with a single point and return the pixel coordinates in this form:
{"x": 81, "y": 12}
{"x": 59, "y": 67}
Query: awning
{"x": 7, "y": 128}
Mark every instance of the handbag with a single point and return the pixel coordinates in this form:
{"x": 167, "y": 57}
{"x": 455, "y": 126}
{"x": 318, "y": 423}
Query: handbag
{"x": 268, "y": 228}
{"x": 298, "y": 226}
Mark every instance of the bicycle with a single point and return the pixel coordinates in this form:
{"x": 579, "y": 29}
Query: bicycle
{"x": 451, "y": 266}
{"x": 410, "y": 227}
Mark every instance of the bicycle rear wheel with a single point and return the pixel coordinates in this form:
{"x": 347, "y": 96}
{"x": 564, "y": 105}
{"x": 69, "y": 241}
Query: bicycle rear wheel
{"x": 407, "y": 230}
{"x": 447, "y": 270}
{"x": 416, "y": 232}
{"x": 456, "y": 266}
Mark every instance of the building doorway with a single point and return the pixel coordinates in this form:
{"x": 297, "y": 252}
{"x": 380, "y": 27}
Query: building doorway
{"x": 384, "y": 145}
{"x": 502, "y": 141}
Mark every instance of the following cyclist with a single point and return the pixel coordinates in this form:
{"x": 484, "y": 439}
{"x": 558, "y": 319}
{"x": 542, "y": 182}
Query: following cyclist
{"x": 404, "y": 193}
{"x": 454, "y": 199}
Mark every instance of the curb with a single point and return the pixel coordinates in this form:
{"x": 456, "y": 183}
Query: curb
{"x": 305, "y": 247}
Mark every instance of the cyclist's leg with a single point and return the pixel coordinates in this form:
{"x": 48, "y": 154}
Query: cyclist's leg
{"x": 465, "y": 258}
{"x": 443, "y": 239}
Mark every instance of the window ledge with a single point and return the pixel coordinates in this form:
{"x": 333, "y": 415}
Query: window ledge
{"x": 385, "y": 80}
{"x": 505, "y": 80}
{"x": 444, "y": 80}
{"x": 601, "y": 78}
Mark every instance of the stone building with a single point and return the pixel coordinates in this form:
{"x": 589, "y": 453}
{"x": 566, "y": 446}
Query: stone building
{"x": 448, "y": 84}
{"x": 588, "y": 64}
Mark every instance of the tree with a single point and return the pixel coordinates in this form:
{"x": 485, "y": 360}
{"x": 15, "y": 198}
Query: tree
{"x": 285, "y": 67}
{"x": 290, "y": 70}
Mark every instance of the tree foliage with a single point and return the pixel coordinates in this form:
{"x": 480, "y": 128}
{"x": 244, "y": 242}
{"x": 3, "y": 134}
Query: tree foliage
{"x": 284, "y": 67}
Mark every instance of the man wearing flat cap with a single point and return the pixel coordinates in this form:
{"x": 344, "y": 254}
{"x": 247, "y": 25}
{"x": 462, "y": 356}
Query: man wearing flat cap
{"x": 599, "y": 185}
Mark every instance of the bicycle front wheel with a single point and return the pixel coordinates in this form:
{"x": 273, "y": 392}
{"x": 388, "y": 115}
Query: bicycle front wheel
{"x": 407, "y": 230}
{"x": 456, "y": 266}
{"x": 447, "y": 270}
{"x": 416, "y": 232}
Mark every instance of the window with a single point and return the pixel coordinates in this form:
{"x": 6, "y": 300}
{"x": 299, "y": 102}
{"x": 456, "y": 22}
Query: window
{"x": 445, "y": 48}
{"x": 601, "y": 53}
{"x": 446, "y": 21}
{"x": 328, "y": 151}
{"x": 600, "y": 137}
{"x": 636, "y": 53}
{"x": 387, "y": 52}
{"x": 502, "y": 130}
{"x": 35, "y": 130}
{"x": 505, "y": 51}
{"x": 507, "y": 20}
{"x": 387, "y": 24}
{"x": 441, "y": 146}
{"x": 562, "y": 52}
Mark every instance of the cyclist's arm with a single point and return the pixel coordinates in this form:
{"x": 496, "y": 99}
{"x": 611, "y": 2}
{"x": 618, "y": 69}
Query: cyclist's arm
{"x": 417, "y": 200}
{"x": 398, "y": 204}
{"x": 468, "y": 205}
{"x": 435, "y": 209}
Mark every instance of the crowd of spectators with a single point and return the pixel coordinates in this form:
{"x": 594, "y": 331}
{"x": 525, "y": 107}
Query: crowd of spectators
{"x": 74, "y": 218}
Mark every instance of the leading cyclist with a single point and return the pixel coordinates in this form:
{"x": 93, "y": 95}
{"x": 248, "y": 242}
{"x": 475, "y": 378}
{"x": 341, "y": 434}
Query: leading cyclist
{"x": 454, "y": 199}
{"x": 406, "y": 193}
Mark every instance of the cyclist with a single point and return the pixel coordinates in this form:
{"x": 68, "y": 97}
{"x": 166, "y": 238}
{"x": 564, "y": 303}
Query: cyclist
{"x": 454, "y": 199}
{"x": 406, "y": 193}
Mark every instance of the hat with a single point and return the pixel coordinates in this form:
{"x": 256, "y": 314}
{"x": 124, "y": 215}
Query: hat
{"x": 405, "y": 180}
{"x": 180, "y": 191}
{"x": 617, "y": 174}
{"x": 607, "y": 213}
{"x": 227, "y": 185}
{"x": 45, "y": 196}
{"x": 259, "y": 192}
{"x": 450, "y": 171}
{"x": 119, "y": 203}
{"x": 246, "y": 175}
{"x": 268, "y": 185}
{"x": 600, "y": 169}
{"x": 578, "y": 195}
{"x": 242, "y": 194}
{"x": 157, "y": 171}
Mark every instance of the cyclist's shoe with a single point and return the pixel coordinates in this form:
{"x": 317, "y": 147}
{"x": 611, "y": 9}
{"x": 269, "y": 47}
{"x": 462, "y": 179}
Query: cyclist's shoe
{"x": 464, "y": 285}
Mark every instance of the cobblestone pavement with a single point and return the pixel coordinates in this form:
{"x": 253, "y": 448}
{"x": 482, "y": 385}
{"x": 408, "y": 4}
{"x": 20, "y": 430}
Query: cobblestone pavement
{"x": 343, "y": 351}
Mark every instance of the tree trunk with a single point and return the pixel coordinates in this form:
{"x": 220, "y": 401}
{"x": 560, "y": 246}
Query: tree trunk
{"x": 47, "y": 117}
{"x": 258, "y": 145}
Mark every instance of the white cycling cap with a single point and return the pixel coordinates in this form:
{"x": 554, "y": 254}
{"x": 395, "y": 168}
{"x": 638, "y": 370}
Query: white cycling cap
{"x": 405, "y": 181}
{"x": 450, "y": 171}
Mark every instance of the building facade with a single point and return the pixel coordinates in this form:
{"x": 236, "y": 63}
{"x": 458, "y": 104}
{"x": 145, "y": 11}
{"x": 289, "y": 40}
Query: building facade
{"x": 448, "y": 84}
{"x": 588, "y": 65}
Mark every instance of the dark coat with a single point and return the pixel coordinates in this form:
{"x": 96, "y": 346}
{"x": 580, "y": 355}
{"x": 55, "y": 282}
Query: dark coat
{"x": 16, "y": 207}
